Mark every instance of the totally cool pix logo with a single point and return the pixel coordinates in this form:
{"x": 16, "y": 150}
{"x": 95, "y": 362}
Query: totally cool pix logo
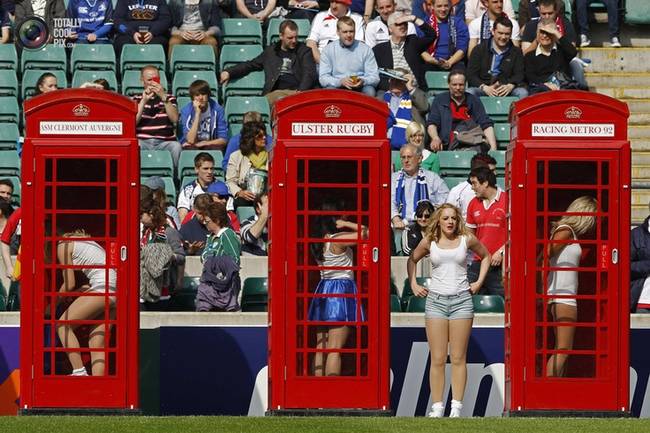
{"x": 33, "y": 32}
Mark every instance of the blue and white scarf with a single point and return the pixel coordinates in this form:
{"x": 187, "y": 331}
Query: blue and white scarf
{"x": 421, "y": 191}
{"x": 399, "y": 120}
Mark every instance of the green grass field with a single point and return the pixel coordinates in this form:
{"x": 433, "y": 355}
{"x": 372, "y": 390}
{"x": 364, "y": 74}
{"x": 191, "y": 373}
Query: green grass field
{"x": 50, "y": 424}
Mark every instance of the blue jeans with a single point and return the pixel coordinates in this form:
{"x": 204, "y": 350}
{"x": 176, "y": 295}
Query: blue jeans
{"x": 519, "y": 92}
{"x": 578, "y": 72}
{"x": 612, "y": 16}
{"x": 493, "y": 283}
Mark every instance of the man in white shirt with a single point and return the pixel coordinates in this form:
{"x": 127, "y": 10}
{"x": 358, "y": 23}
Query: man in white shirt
{"x": 204, "y": 168}
{"x": 323, "y": 28}
{"x": 476, "y": 8}
{"x": 462, "y": 194}
{"x": 377, "y": 29}
{"x": 480, "y": 28}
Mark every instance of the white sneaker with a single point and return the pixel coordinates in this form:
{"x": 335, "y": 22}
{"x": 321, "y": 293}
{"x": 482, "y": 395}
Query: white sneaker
{"x": 456, "y": 406}
{"x": 437, "y": 410}
{"x": 79, "y": 372}
{"x": 584, "y": 41}
{"x": 615, "y": 42}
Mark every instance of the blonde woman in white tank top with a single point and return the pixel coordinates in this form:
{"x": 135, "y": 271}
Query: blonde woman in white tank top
{"x": 565, "y": 283}
{"x": 449, "y": 311}
{"x": 84, "y": 252}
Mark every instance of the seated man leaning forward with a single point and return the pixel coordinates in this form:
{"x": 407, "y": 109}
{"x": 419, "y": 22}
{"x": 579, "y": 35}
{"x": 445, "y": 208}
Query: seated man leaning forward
{"x": 348, "y": 63}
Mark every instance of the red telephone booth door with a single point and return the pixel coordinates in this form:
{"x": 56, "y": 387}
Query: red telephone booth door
{"x": 82, "y": 204}
{"x": 342, "y": 369}
{"x": 572, "y": 345}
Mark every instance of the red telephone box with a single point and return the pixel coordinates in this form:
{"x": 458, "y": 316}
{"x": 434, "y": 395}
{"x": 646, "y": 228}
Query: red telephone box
{"x": 80, "y": 259}
{"x": 330, "y": 161}
{"x": 567, "y": 268}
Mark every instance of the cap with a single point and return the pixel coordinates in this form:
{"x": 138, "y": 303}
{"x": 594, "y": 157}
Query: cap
{"x": 218, "y": 187}
{"x": 154, "y": 182}
{"x": 345, "y": 2}
{"x": 393, "y": 17}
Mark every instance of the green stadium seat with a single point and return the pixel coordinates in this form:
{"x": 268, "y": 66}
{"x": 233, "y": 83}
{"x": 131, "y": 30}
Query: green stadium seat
{"x": 13, "y": 299}
{"x": 568, "y": 11}
{"x": 3, "y": 298}
{"x": 397, "y": 240}
{"x": 8, "y": 57}
{"x": 132, "y": 84}
{"x": 436, "y": 82}
{"x": 49, "y": 58}
{"x": 236, "y": 106}
{"x": 245, "y": 212}
{"x": 515, "y": 7}
{"x": 9, "y": 135}
{"x": 182, "y": 101}
{"x": 170, "y": 188}
{"x": 135, "y": 56}
{"x": 500, "y": 156}
{"x": 502, "y": 133}
{"x": 249, "y": 85}
{"x": 156, "y": 163}
{"x": 498, "y": 108}
{"x": 8, "y": 83}
{"x": 273, "y": 30}
{"x": 184, "y": 299}
{"x": 455, "y": 162}
{"x": 183, "y": 80}
{"x": 396, "y": 160}
{"x": 15, "y": 196}
{"x": 241, "y": 31}
{"x": 407, "y": 293}
{"x": 186, "y": 163}
{"x": 92, "y": 57}
{"x": 81, "y": 77}
{"x": 9, "y": 110}
{"x": 255, "y": 294}
{"x": 9, "y": 163}
{"x": 488, "y": 304}
{"x": 416, "y": 304}
{"x": 395, "y": 305}
{"x": 31, "y": 76}
{"x": 637, "y": 12}
{"x": 192, "y": 57}
{"x": 452, "y": 181}
{"x": 501, "y": 182}
{"x": 233, "y": 54}
{"x": 235, "y": 128}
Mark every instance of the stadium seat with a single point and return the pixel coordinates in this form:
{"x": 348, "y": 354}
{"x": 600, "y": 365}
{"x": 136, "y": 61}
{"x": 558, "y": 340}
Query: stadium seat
{"x": 396, "y": 160}
{"x": 436, "y": 82}
{"x": 452, "y": 181}
{"x": 501, "y": 182}
{"x": 416, "y": 304}
{"x": 183, "y": 80}
{"x": 455, "y": 162}
{"x": 237, "y": 106}
{"x": 132, "y": 84}
{"x": 192, "y": 57}
{"x": 8, "y": 83}
{"x": 13, "y": 299}
{"x": 9, "y": 110}
{"x": 498, "y": 108}
{"x": 395, "y": 305}
{"x": 81, "y": 77}
{"x": 245, "y": 212}
{"x": 182, "y": 101}
{"x": 273, "y": 30}
{"x": 3, "y": 298}
{"x": 233, "y": 54}
{"x": 502, "y": 133}
{"x": 488, "y": 304}
{"x": 135, "y": 56}
{"x": 49, "y": 58}
{"x": 31, "y": 76}
{"x": 637, "y": 12}
{"x": 397, "y": 240}
{"x": 8, "y": 57}
{"x": 9, "y": 163}
{"x": 249, "y": 85}
{"x": 15, "y": 196}
{"x": 184, "y": 299}
{"x": 156, "y": 163}
{"x": 255, "y": 294}
{"x": 92, "y": 57}
{"x": 170, "y": 188}
{"x": 9, "y": 135}
{"x": 241, "y": 31}
{"x": 186, "y": 163}
{"x": 235, "y": 128}
{"x": 500, "y": 156}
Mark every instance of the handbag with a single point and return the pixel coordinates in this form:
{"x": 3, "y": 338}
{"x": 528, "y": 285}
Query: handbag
{"x": 468, "y": 135}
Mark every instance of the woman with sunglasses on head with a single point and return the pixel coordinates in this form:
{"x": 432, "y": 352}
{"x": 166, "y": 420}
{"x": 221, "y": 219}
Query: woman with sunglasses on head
{"x": 412, "y": 234}
{"x": 252, "y": 155}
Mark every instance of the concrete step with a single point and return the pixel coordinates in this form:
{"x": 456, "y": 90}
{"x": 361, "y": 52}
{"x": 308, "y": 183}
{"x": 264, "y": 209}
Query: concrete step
{"x": 638, "y": 92}
{"x": 631, "y": 35}
{"x": 616, "y": 59}
{"x": 637, "y": 118}
{"x": 621, "y": 79}
{"x": 639, "y": 144}
{"x": 641, "y": 197}
{"x": 638, "y": 105}
{"x": 639, "y": 213}
{"x": 639, "y": 131}
{"x": 640, "y": 172}
{"x": 640, "y": 158}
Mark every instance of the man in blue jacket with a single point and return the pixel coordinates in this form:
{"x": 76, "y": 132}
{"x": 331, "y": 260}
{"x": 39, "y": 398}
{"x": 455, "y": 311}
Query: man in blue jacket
{"x": 141, "y": 22}
{"x": 203, "y": 121}
{"x": 640, "y": 268}
{"x": 94, "y": 20}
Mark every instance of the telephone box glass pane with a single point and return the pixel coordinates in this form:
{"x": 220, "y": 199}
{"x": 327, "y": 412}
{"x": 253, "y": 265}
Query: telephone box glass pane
{"x": 573, "y": 172}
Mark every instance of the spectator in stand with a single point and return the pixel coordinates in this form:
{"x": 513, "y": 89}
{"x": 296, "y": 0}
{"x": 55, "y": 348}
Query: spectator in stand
{"x": 301, "y": 9}
{"x": 203, "y": 120}
{"x": 457, "y": 110}
{"x": 259, "y": 10}
{"x": 157, "y": 115}
{"x": 405, "y": 103}
{"x": 377, "y": 29}
{"x": 640, "y": 268}
{"x": 254, "y": 233}
{"x": 204, "y": 169}
{"x": 233, "y": 143}
{"x": 99, "y": 84}
{"x": 252, "y": 155}
{"x": 480, "y": 28}
{"x": 582, "y": 16}
{"x": 5, "y": 25}
{"x": 141, "y": 22}
{"x": 47, "y": 82}
{"x": 420, "y": 9}
{"x": 324, "y": 27}
{"x": 94, "y": 19}
{"x": 548, "y": 10}
{"x": 476, "y": 8}
{"x": 46, "y": 9}
{"x": 348, "y": 63}
{"x": 6, "y": 190}
{"x": 404, "y": 51}
{"x": 288, "y": 66}
{"x": 411, "y": 185}
{"x": 412, "y": 234}
{"x": 415, "y": 135}
{"x": 547, "y": 68}
{"x": 157, "y": 187}
{"x": 194, "y": 22}
{"x": 462, "y": 194}
{"x": 496, "y": 66}
{"x": 529, "y": 10}
{"x": 486, "y": 218}
{"x": 449, "y": 49}
{"x": 12, "y": 229}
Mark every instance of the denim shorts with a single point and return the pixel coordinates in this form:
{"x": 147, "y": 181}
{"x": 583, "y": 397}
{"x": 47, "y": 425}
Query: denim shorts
{"x": 449, "y": 307}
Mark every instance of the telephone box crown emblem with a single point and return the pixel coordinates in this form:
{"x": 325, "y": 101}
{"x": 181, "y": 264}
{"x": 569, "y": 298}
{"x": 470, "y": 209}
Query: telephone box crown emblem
{"x": 81, "y": 110}
{"x": 332, "y": 111}
{"x": 573, "y": 112}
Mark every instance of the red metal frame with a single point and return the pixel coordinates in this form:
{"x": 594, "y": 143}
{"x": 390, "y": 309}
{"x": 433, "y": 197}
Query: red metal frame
{"x": 43, "y": 387}
{"x": 290, "y": 386}
{"x": 526, "y": 324}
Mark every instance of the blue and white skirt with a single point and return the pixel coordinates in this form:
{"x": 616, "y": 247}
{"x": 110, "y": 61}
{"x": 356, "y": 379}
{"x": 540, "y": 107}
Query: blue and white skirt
{"x": 333, "y": 308}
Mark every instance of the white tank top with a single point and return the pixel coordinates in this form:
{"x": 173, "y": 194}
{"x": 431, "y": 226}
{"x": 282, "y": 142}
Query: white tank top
{"x": 449, "y": 269}
{"x": 565, "y": 282}
{"x": 331, "y": 259}
{"x": 89, "y": 253}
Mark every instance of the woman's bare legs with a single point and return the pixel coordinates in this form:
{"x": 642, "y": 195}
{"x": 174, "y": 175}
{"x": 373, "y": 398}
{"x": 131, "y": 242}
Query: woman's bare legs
{"x": 556, "y": 365}
{"x": 438, "y": 339}
{"x": 336, "y": 339}
{"x": 459, "y": 333}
